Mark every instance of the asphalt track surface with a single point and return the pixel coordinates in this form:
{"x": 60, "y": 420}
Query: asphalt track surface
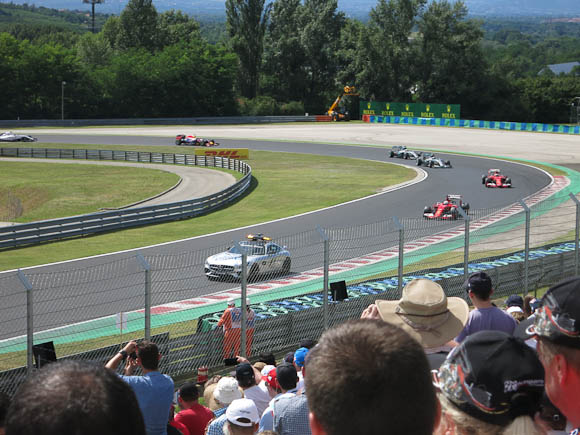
{"x": 464, "y": 178}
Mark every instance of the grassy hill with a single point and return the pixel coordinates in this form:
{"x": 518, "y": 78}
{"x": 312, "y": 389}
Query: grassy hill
{"x": 12, "y": 15}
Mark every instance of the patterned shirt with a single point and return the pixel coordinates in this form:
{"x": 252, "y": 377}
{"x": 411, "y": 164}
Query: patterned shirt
{"x": 291, "y": 416}
{"x": 216, "y": 426}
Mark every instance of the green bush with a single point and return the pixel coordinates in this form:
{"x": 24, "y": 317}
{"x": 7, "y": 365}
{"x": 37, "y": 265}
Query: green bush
{"x": 292, "y": 108}
{"x": 268, "y": 106}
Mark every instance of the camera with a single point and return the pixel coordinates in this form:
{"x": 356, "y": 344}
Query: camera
{"x": 230, "y": 361}
{"x": 133, "y": 355}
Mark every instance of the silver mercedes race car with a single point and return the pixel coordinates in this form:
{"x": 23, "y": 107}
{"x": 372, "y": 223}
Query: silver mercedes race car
{"x": 264, "y": 258}
{"x": 429, "y": 160}
{"x": 9, "y": 136}
{"x": 402, "y": 152}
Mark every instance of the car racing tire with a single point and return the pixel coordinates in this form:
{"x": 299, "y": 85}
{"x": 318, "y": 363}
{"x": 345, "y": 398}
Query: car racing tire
{"x": 508, "y": 181}
{"x": 448, "y": 163}
{"x": 286, "y": 266}
{"x": 430, "y": 164}
{"x": 392, "y": 154}
{"x": 483, "y": 178}
{"x": 419, "y": 161}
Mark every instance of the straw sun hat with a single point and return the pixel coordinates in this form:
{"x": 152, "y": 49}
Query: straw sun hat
{"x": 426, "y": 313}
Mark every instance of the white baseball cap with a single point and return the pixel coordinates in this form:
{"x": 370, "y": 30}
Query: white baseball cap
{"x": 231, "y": 301}
{"x": 243, "y": 412}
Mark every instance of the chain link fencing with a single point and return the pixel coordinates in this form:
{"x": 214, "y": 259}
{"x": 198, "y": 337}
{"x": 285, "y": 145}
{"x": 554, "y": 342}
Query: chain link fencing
{"x": 90, "y": 311}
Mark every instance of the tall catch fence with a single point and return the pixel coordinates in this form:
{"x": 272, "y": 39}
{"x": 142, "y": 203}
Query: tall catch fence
{"x": 87, "y": 312}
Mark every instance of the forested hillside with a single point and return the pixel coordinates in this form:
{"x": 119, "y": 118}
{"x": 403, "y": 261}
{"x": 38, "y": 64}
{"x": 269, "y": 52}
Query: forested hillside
{"x": 284, "y": 57}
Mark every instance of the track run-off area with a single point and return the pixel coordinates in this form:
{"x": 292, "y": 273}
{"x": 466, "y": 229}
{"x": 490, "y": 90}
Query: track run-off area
{"x": 356, "y": 140}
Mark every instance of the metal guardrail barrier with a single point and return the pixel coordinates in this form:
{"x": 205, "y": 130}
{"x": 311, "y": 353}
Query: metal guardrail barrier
{"x": 55, "y": 229}
{"x": 21, "y": 123}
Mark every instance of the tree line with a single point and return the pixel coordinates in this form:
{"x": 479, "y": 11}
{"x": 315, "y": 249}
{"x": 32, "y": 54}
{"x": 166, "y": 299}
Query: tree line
{"x": 280, "y": 57}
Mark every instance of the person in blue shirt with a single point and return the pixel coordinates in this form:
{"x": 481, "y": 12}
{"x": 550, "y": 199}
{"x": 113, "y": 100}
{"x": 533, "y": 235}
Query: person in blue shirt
{"x": 154, "y": 390}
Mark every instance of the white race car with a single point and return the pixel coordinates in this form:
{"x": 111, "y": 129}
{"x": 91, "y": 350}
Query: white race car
{"x": 264, "y": 258}
{"x": 429, "y": 160}
{"x": 9, "y": 136}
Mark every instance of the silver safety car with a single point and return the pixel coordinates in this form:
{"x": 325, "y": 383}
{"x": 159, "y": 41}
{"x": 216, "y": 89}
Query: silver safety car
{"x": 264, "y": 257}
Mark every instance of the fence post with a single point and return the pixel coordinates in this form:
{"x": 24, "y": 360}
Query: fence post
{"x": 467, "y": 220}
{"x": 326, "y": 277}
{"x": 147, "y": 267}
{"x": 401, "y": 230}
{"x": 244, "y": 284}
{"x": 527, "y": 246}
{"x": 29, "y": 321}
{"x": 577, "y": 236}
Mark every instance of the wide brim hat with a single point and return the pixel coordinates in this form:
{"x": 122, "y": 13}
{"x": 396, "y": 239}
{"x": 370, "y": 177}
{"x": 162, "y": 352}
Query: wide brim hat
{"x": 426, "y": 313}
{"x": 227, "y": 390}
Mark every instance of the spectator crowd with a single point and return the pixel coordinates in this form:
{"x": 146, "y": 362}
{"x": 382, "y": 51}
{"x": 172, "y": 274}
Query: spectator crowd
{"x": 424, "y": 364}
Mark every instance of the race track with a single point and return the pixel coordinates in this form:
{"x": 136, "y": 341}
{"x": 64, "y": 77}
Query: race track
{"x": 464, "y": 178}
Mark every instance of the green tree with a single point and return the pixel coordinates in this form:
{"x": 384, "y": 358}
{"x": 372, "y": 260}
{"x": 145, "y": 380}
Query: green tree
{"x": 385, "y": 57}
{"x": 94, "y": 50}
{"x": 320, "y": 37}
{"x": 174, "y": 27}
{"x": 138, "y": 25}
{"x": 451, "y": 63}
{"x": 246, "y": 24}
{"x": 284, "y": 57}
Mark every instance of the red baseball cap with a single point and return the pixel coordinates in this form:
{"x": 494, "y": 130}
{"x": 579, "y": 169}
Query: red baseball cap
{"x": 270, "y": 378}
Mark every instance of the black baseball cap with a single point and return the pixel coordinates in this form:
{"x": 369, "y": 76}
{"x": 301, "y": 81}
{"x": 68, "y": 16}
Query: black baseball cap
{"x": 478, "y": 282}
{"x": 244, "y": 371}
{"x": 287, "y": 375}
{"x": 493, "y": 377}
{"x": 558, "y": 317}
{"x": 514, "y": 301}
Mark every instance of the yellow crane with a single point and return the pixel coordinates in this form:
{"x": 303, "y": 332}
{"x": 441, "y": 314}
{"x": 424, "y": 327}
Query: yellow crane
{"x": 338, "y": 115}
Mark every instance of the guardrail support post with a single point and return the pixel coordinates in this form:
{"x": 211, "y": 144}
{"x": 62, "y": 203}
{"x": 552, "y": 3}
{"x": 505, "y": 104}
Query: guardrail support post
{"x": 147, "y": 267}
{"x": 244, "y": 284}
{"x": 401, "y": 230}
{"x": 29, "y": 321}
{"x": 326, "y": 277}
{"x": 527, "y": 246}
{"x": 467, "y": 220}
{"x": 577, "y": 236}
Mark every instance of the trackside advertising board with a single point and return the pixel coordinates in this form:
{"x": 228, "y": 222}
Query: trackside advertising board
{"x": 411, "y": 110}
{"x": 230, "y": 153}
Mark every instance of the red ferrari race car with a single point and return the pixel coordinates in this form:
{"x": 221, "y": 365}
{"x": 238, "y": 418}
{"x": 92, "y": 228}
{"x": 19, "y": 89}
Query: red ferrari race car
{"x": 494, "y": 178}
{"x": 447, "y": 209}
{"x": 194, "y": 141}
